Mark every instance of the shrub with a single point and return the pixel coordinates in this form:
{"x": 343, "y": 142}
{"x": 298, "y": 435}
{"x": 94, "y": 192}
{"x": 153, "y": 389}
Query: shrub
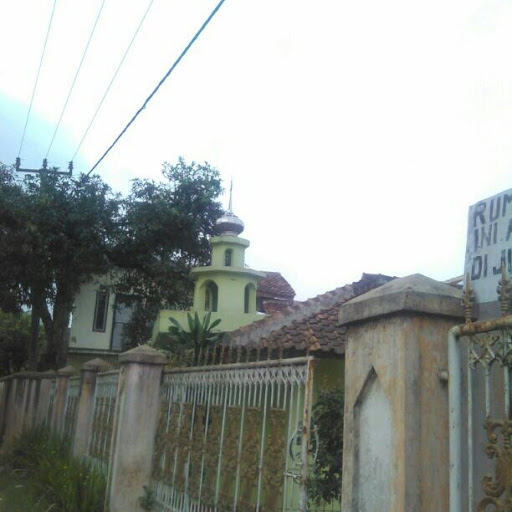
{"x": 70, "y": 483}
{"x": 325, "y": 483}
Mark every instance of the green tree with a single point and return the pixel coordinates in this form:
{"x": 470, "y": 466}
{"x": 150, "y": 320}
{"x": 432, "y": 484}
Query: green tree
{"x": 166, "y": 231}
{"x": 324, "y": 484}
{"x": 15, "y": 332}
{"x": 56, "y": 232}
{"x": 59, "y": 232}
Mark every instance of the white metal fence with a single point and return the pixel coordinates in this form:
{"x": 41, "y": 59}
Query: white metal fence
{"x": 234, "y": 437}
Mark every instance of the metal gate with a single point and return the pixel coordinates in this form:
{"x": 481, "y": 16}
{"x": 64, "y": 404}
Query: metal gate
{"x": 480, "y": 363}
{"x": 234, "y": 437}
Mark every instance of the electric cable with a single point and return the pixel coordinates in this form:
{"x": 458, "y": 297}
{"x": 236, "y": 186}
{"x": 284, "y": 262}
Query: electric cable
{"x": 76, "y": 76}
{"x": 37, "y": 76}
{"x": 148, "y": 99}
{"x": 112, "y": 80}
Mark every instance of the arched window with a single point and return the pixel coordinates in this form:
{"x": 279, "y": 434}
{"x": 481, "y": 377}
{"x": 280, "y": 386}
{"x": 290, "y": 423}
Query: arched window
{"x": 248, "y": 298}
{"x": 211, "y": 297}
{"x": 228, "y": 255}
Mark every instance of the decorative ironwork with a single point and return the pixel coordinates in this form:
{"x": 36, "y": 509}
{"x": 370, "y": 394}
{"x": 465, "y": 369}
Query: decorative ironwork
{"x": 249, "y": 464}
{"x": 504, "y": 290}
{"x": 103, "y": 418}
{"x": 183, "y": 438}
{"x": 196, "y": 451}
{"x": 160, "y": 440}
{"x": 211, "y": 455}
{"x": 72, "y": 398}
{"x": 230, "y": 457}
{"x": 221, "y": 438}
{"x": 274, "y": 459}
{"x": 468, "y": 299}
{"x": 498, "y": 489}
{"x": 490, "y": 347}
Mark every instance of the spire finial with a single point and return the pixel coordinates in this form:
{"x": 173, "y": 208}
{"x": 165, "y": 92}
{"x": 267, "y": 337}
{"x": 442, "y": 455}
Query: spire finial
{"x": 230, "y": 207}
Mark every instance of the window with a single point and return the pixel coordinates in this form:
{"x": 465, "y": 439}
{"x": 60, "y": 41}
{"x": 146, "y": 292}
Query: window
{"x": 100, "y": 311}
{"x": 247, "y": 296}
{"x": 211, "y": 297}
{"x": 125, "y": 306}
{"x": 228, "y": 257}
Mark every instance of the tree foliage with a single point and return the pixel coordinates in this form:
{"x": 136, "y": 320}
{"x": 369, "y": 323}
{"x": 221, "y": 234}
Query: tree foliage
{"x": 324, "y": 484}
{"x": 14, "y": 341}
{"x": 165, "y": 232}
{"x": 59, "y": 232}
{"x": 56, "y": 232}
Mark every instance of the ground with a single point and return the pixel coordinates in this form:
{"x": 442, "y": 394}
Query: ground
{"x": 16, "y": 494}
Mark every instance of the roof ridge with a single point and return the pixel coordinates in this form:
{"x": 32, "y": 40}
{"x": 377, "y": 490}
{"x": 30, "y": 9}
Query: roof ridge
{"x": 302, "y": 310}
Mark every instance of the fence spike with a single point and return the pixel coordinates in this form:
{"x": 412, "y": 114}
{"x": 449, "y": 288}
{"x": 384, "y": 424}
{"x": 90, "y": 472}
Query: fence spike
{"x": 258, "y": 351}
{"x": 468, "y": 296}
{"x": 504, "y": 289}
{"x": 247, "y": 353}
{"x": 230, "y": 352}
{"x": 269, "y": 351}
{"x": 222, "y": 353}
{"x": 238, "y": 353}
{"x": 281, "y": 350}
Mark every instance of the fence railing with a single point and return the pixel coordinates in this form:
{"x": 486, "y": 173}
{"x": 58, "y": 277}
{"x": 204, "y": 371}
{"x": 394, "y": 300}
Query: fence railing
{"x": 480, "y": 363}
{"x": 231, "y": 434}
{"x": 103, "y": 419}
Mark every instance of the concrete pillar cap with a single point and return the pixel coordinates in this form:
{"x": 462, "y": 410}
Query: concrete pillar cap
{"x": 49, "y": 374}
{"x": 143, "y": 354}
{"x": 96, "y": 364}
{"x": 414, "y": 294}
{"x": 67, "y": 371}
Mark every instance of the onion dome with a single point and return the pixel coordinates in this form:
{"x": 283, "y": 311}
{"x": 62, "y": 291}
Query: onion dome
{"x": 229, "y": 224}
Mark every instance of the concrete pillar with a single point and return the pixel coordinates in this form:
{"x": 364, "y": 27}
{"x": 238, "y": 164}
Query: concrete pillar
{"x": 85, "y": 411}
{"x": 61, "y": 393}
{"x": 396, "y": 399}
{"x": 135, "y": 424}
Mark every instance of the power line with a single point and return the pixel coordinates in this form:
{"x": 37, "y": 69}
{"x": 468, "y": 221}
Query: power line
{"x": 76, "y": 76}
{"x": 37, "y": 77}
{"x": 112, "y": 80}
{"x": 176, "y": 62}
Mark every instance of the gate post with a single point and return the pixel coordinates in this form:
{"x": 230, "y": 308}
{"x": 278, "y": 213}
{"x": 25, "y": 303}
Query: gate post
{"x": 396, "y": 397}
{"x": 135, "y": 423}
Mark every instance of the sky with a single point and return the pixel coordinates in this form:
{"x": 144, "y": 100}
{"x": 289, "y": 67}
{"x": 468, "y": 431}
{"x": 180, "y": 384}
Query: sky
{"x": 357, "y": 134}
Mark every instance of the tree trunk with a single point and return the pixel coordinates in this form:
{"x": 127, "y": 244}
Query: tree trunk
{"x": 56, "y": 330}
{"x": 33, "y": 352}
{"x": 34, "y": 340}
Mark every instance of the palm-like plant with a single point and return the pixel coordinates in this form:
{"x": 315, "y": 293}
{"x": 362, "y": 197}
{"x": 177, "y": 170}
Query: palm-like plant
{"x": 199, "y": 336}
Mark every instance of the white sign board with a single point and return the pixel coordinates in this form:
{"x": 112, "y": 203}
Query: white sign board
{"x": 489, "y": 242}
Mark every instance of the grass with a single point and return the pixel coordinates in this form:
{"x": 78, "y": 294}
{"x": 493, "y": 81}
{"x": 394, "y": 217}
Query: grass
{"x": 18, "y": 495}
{"x": 42, "y": 464}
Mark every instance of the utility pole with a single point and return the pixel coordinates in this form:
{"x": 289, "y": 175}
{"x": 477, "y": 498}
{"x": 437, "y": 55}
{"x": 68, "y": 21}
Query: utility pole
{"x": 44, "y": 169}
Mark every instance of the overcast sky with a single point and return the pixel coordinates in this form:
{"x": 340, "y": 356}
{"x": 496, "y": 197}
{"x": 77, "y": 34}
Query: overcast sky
{"x": 357, "y": 133}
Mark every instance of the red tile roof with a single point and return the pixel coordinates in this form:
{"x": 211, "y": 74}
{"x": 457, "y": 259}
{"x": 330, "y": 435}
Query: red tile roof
{"x": 313, "y": 322}
{"x": 274, "y": 285}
